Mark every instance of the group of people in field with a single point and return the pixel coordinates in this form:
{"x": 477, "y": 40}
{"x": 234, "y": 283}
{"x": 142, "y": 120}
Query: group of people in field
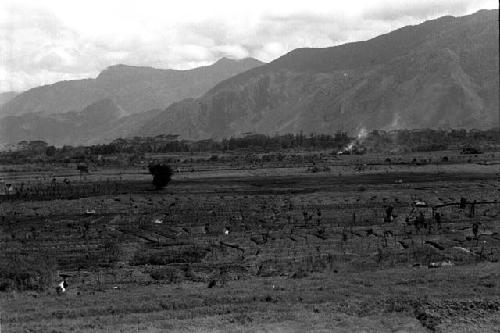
{"x": 420, "y": 222}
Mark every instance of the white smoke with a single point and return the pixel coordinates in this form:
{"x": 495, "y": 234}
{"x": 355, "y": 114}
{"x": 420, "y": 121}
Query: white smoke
{"x": 362, "y": 134}
{"x": 360, "y": 138}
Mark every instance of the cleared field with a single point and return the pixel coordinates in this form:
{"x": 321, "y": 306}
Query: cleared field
{"x": 293, "y": 245}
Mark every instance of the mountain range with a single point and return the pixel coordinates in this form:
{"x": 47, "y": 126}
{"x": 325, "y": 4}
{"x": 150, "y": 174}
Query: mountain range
{"x": 121, "y": 98}
{"x": 442, "y": 73}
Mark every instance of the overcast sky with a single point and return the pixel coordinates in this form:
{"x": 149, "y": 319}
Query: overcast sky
{"x": 46, "y": 41}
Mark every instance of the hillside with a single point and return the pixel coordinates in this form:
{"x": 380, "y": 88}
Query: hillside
{"x": 116, "y": 103}
{"x": 7, "y": 96}
{"x": 441, "y": 73}
{"x": 99, "y": 122}
{"x": 133, "y": 89}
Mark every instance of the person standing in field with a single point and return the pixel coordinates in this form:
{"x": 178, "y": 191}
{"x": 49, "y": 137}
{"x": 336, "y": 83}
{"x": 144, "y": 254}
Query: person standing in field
{"x": 463, "y": 203}
{"x": 472, "y": 210}
{"x": 420, "y": 221}
{"x": 437, "y": 218}
{"x": 475, "y": 229}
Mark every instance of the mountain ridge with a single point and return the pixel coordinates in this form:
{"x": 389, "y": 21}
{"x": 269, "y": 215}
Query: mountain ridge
{"x": 7, "y": 96}
{"x": 135, "y": 88}
{"x": 440, "y": 73}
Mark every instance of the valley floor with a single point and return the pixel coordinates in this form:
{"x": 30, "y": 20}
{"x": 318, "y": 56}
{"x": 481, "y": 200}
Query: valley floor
{"x": 272, "y": 248}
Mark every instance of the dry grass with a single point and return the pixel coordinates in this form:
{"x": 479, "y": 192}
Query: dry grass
{"x": 296, "y": 257}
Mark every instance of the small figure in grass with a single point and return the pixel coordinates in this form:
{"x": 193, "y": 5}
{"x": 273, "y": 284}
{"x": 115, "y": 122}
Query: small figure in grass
{"x": 463, "y": 203}
{"x": 437, "y": 218}
{"x": 63, "y": 285}
{"x": 475, "y": 229}
{"x": 472, "y": 210}
{"x": 420, "y": 221}
{"x": 388, "y": 214}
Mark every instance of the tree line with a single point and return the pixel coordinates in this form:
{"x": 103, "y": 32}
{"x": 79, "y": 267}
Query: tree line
{"x": 375, "y": 141}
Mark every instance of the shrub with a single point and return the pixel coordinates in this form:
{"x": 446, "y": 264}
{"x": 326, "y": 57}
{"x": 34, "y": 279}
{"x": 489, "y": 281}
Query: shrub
{"x": 111, "y": 252}
{"x": 50, "y": 151}
{"x": 157, "y": 257}
{"x": 162, "y": 175}
{"x": 24, "y": 272}
{"x": 314, "y": 169}
{"x": 300, "y": 274}
{"x": 430, "y": 147}
{"x": 169, "y": 274}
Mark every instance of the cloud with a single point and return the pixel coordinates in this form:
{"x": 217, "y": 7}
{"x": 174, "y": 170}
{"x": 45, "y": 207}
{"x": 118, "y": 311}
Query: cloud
{"x": 232, "y": 51}
{"x": 421, "y": 10}
{"x": 46, "y": 41}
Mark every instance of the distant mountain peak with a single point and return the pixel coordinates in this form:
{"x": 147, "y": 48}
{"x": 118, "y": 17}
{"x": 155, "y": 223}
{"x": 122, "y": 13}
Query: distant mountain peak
{"x": 223, "y": 59}
{"x": 112, "y": 99}
{"x": 226, "y": 60}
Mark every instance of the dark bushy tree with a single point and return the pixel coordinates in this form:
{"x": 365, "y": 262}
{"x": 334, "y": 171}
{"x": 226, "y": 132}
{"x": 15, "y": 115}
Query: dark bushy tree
{"x": 50, "y": 151}
{"x": 162, "y": 174}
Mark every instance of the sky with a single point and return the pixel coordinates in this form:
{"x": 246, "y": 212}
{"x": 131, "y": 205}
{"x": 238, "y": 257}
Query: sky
{"x": 42, "y": 42}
